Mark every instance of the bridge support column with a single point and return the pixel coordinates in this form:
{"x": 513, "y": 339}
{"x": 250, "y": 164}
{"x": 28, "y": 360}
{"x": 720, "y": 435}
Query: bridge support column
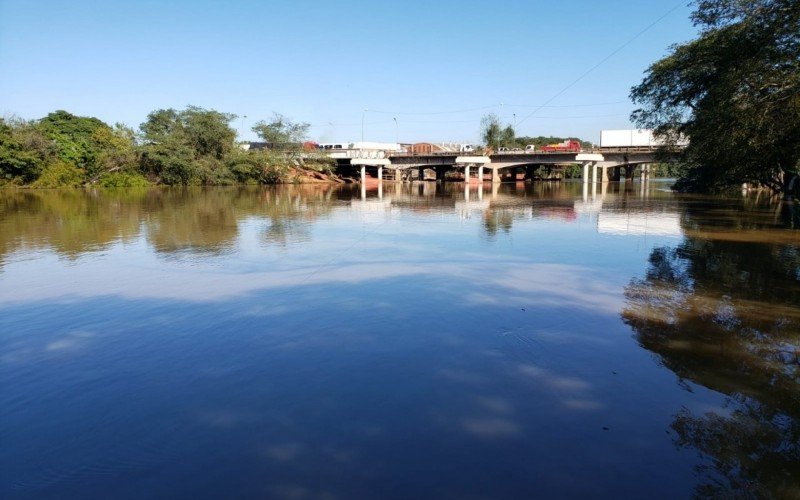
{"x": 421, "y": 174}
{"x": 586, "y": 172}
{"x": 480, "y": 174}
{"x": 645, "y": 172}
{"x": 363, "y": 174}
{"x": 629, "y": 172}
{"x": 495, "y": 175}
{"x": 604, "y": 175}
{"x": 594, "y": 173}
{"x": 440, "y": 171}
{"x": 466, "y": 174}
{"x": 380, "y": 173}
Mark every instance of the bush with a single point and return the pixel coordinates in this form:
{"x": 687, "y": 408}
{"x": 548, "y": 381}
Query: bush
{"x": 59, "y": 174}
{"x": 123, "y": 179}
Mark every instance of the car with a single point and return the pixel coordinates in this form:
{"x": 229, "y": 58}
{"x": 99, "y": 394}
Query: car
{"x": 530, "y": 148}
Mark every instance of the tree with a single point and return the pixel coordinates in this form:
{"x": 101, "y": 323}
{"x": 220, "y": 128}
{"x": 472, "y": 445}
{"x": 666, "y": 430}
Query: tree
{"x": 24, "y": 151}
{"x": 188, "y": 146}
{"x": 507, "y": 136}
{"x": 116, "y": 150}
{"x": 281, "y": 130}
{"x": 74, "y": 138}
{"x": 208, "y": 132}
{"x": 491, "y": 131}
{"x": 734, "y": 92}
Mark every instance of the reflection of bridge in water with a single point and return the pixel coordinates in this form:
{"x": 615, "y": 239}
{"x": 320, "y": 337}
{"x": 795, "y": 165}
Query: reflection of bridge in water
{"x": 618, "y": 209}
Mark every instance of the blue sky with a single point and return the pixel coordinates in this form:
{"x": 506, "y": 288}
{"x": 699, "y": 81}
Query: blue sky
{"x": 325, "y": 62}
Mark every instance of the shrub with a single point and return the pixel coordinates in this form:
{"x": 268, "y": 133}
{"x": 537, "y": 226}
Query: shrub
{"x": 59, "y": 174}
{"x": 123, "y": 179}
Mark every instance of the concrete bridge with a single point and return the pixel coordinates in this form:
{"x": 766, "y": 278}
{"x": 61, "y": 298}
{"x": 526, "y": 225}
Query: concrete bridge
{"x": 599, "y": 165}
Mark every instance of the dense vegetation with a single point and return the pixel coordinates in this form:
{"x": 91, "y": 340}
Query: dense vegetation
{"x": 734, "y": 92}
{"x": 194, "y": 146}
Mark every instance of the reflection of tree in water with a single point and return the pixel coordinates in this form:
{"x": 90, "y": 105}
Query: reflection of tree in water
{"x": 725, "y": 314}
{"x": 194, "y": 220}
{"x": 290, "y": 212}
{"x": 70, "y": 221}
{"x": 495, "y": 221}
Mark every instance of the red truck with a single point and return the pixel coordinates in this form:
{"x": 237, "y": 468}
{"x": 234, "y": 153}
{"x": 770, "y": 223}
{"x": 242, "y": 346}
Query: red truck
{"x": 568, "y": 146}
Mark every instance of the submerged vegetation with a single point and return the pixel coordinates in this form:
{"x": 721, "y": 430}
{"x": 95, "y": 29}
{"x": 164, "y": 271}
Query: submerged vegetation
{"x": 193, "y": 146}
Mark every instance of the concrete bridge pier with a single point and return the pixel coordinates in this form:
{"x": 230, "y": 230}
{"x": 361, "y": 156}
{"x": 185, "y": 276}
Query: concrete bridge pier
{"x": 586, "y": 166}
{"x": 466, "y": 174}
{"x": 594, "y": 173}
{"x": 495, "y": 175}
{"x": 380, "y": 173}
{"x": 480, "y": 174}
{"x": 645, "y": 172}
{"x": 440, "y": 171}
{"x": 363, "y": 174}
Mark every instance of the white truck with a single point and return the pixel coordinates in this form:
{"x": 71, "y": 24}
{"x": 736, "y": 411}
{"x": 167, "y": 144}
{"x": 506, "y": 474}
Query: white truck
{"x": 632, "y": 138}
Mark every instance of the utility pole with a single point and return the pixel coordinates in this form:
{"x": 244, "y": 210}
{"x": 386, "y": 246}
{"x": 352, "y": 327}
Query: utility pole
{"x": 396, "y": 133}
{"x": 242, "y": 127}
{"x": 363, "y": 116}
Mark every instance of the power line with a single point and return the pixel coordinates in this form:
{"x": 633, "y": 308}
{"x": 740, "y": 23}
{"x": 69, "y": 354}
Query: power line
{"x": 563, "y": 105}
{"x": 612, "y": 54}
{"x": 451, "y": 112}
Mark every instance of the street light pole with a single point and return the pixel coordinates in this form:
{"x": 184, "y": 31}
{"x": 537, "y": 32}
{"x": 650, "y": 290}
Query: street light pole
{"x": 363, "y": 116}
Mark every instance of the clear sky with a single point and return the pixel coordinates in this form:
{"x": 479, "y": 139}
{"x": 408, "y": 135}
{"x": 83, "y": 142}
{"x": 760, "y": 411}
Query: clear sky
{"x": 324, "y": 62}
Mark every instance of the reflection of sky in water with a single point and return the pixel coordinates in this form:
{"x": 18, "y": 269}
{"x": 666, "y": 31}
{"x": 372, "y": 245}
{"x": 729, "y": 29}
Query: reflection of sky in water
{"x": 388, "y": 353}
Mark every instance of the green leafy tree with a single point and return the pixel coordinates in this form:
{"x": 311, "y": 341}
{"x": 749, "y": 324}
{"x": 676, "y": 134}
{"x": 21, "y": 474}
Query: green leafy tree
{"x": 507, "y": 136}
{"x": 491, "y": 131}
{"x": 188, "y": 146}
{"x": 116, "y": 150}
{"x": 208, "y": 132}
{"x": 734, "y": 92}
{"x": 24, "y": 151}
{"x": 74, "y": 138}
{"x": 281, "y": 130}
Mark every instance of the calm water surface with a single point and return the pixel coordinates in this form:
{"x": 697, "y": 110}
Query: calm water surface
{"x": 407, "y": 342}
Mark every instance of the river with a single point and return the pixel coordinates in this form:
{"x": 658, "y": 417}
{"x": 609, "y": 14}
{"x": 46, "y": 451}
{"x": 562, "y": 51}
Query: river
{"x": 407, "y": 341}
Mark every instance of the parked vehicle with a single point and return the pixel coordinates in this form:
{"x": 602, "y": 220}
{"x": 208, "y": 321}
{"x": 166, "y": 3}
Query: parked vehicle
{"x": 568, "y": 146}
{"x": 530, "y": 148}
{"x": 633, "y": 138}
